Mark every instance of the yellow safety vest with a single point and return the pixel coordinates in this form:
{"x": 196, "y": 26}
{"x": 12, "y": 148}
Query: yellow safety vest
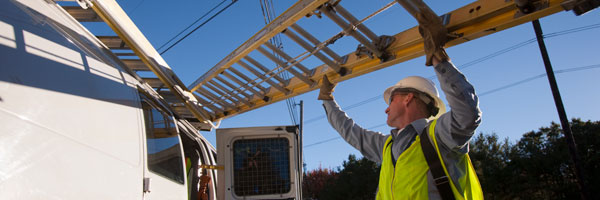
{"x": 408, "y": 179}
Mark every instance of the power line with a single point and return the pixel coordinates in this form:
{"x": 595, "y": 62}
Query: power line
{"x": 346, "y": 108}
{"x": 574, "y": 30}
{"x": 268, "y": 13}
{"x": 337, "y": 137}
{"x": 208, "y": 20}
{"x": 538, "y": 76}
{"x": 136, "y": 7}
{"x": 323, "y": 141}
{"x": 186, "y": 28}
{"x": 574, "y": 69}
{"x": 476, "y": 61}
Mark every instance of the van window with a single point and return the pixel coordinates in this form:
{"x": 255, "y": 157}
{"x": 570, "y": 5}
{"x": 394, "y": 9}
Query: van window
{"x": 164, "y": 148}
{"x": 261, "y": 166}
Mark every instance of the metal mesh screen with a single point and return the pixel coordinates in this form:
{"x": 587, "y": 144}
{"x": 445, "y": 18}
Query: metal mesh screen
{"x": 261, "y": 166}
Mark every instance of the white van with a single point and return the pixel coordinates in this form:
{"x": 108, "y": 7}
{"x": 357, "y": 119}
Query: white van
{"x": 75, "y": 123}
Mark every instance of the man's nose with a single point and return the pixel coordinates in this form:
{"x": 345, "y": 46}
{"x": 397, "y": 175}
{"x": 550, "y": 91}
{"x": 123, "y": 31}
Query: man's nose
{"x": 387, "y": 110}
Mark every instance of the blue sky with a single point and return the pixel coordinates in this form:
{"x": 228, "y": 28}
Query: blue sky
{"x": 509, "y": 108}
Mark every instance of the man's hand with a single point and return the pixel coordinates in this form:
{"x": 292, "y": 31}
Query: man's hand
{"x": 327, "y": 89}
{"x": 434, "y": 35}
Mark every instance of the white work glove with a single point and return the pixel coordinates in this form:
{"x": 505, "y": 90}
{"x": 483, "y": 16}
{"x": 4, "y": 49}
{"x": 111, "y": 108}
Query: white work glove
{"x": 327, "y": 88}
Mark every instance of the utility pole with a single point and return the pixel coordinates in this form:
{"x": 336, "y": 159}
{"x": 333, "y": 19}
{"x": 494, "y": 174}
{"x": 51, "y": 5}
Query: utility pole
{"x": 300, "y": 140}
{"x": 564, "y": 121}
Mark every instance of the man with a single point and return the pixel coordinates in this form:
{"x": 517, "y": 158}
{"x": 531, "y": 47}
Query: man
{"x": 413, "y": 104}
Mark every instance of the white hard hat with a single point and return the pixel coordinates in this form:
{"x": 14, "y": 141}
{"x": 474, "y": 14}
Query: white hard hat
{"x": 422, "y": 85}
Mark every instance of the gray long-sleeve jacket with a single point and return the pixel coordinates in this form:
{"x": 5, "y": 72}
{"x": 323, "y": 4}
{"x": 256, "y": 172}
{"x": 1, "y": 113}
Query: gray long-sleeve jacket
{"x": 454, "y": 128}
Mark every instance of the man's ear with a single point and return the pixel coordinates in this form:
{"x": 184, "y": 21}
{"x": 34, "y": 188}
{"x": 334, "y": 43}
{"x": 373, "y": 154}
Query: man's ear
{"x": 409, "y": 97}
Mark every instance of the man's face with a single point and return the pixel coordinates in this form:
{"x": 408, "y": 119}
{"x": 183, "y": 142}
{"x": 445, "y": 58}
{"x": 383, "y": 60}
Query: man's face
{"x": 396, "y": 109}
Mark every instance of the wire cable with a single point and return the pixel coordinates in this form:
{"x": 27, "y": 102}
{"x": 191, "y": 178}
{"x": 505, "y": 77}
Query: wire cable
{"x": 136, "y": 7}
{"x": 268, "y": 13}
{"x": 186, "y": 28}
{"x": 199, "y": 26}
{"x": 539, "y": 76}
{"x": 337, "y": 137}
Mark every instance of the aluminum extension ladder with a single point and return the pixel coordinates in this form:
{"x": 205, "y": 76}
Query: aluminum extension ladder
{"x": 241, "y": 82}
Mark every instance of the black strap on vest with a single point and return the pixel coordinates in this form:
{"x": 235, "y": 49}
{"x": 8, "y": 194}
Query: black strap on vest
{"x": 391, "y": 150}
{"x": 442, "y": 182}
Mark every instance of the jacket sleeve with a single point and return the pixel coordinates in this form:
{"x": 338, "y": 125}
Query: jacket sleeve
{"x": 369, "y": 143}
{"x": 456, "y": 127}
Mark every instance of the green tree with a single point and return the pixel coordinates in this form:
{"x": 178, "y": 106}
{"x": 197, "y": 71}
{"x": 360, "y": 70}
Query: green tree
{"x": 587, "y": 136}
{"x": 490, "y": 159}
{"x": 538, "y": 166}
{"x": 357, "y": 180}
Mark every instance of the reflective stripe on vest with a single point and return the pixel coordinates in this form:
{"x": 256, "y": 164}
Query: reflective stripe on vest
{"x": 408, "y": 179}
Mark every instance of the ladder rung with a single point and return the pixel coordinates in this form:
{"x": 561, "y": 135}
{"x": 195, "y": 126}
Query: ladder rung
{"x": 289, "y": 59}
{"x": 215, "y": 99}
{"x": 209, "y": 105}
{"x": 154, "y": 82}
{"x": 251, "y": 89}
{"x": 262, "y": 77}
{"x": 113, "y": 42}
{"x": 283, "y": 65}
{"x": 135, "y": 64}
{"x": 171, "y": 98}
{"x": 363, "y": 29}
{"x": 234, "y": 88}
{"x": 314, "y": 40}
{"x": 184, "y": 112}
{"x": 223, "y": 97}
{"x": 180, "y": 108}
{"x": 327, "y": 10}
{"x": 204, "y": 102}
{"x": 83, "y": 15}
{"x": 229, "y": 94}
{"x": 264, "y": 69}
{"x": 317, "y": 54}
{"x": 238, "y": 73}
{"x": 125, "y": 54}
